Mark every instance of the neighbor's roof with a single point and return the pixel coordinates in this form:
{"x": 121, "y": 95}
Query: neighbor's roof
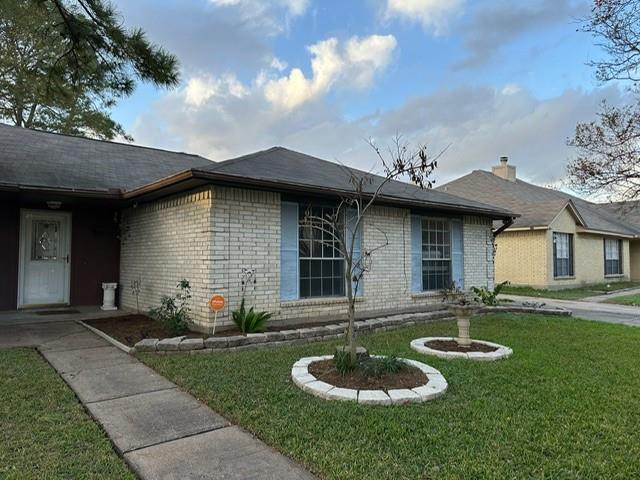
{"x": 285, "y": 167}
{"x": 628, "y": 211}
{"x": 537, "y": 206}
{"x": 35, "y": 160}
{"x": 30, "y": 158}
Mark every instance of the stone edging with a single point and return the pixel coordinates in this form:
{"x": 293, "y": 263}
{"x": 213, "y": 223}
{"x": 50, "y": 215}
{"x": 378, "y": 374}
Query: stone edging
{"x": 522, "y": 309}
{"x": 299, "y": 336}
{"x": 502, "y": 352}
{"x": 435, "y": 387}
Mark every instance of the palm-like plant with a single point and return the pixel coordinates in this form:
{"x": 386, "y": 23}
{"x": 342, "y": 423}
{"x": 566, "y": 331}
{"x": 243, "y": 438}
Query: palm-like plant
{"x": 250, "y": 321}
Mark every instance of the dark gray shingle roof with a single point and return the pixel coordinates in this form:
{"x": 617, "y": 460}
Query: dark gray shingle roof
{"x": 49, "y": 160}
{"x": 537, "y": 206}
{"x": 43, "y": 160}
{"x": 285, "y": 166}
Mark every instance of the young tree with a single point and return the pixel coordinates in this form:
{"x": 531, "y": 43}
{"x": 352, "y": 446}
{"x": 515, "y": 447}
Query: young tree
{"x": 608, "y": 158}
{"x": 65, "y": 63}
{"x": 341, "y": 226}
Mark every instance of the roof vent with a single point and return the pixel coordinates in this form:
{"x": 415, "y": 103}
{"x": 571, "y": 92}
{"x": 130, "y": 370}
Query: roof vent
{"x": 504, "y": 170}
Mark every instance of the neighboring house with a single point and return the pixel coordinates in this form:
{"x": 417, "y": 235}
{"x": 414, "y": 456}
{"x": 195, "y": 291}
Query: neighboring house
{"x": 558, "y": 240}
{"x": 78, "y": 212}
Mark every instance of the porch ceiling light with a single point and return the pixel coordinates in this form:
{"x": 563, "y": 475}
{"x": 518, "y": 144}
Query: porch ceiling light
{"x": 54, "y": 204}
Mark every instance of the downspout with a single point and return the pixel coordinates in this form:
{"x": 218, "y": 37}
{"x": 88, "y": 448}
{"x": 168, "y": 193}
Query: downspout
{"x": 506, "y": 223}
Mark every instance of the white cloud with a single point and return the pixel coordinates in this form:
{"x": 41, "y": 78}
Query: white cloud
{"x": 201, "y": 89}
{"x": 477, "y": 123}
{"x": 511, "y": 89}
{"x": 353, "y": 65}
{"x": 273, "y": 14}
{"x": 434, "y": 15}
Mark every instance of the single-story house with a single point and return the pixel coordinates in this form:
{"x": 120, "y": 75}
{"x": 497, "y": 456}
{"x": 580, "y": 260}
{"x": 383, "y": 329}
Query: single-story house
{"x": 558, "y": 240}
{"x": 78, "y": 212}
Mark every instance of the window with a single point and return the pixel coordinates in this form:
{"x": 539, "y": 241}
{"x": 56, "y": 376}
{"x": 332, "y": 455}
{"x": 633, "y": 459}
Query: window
{"x": 562, "y": 254}
{"x": 44, "y": 243}
{"x": 436, "y": 254}
{"x": 321, "y": 263}
{"x": 612, "y": 256}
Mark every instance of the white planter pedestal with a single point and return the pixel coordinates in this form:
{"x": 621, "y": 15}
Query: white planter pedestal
{"x": 109, "y": 296}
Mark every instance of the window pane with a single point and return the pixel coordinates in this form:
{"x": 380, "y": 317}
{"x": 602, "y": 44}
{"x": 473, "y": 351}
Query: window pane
{"x": 316, "y": 287}
{"x": 305, "y": 269}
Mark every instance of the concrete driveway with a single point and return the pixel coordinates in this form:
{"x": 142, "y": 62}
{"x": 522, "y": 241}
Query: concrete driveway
{"x": 603, "y": 312}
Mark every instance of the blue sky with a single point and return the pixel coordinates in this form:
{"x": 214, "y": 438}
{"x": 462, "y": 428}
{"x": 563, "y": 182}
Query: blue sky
{"x": 480, "y": 78}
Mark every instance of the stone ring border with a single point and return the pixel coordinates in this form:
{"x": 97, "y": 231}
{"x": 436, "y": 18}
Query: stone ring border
{"x": 435, "y": 387}
{"x": 502, "y": 352}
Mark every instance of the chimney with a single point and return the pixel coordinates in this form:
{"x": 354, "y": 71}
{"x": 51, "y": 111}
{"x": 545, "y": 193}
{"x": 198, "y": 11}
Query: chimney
{"x": 504, "y": 170}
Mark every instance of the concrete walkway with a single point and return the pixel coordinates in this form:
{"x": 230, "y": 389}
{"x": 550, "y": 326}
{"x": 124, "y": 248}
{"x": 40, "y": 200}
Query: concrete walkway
{"x": 602, "y": 312}
{"x": 161, "y": 431}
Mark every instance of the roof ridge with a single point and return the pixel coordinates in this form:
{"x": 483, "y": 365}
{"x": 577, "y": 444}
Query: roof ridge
{"x": 110, "y": 142}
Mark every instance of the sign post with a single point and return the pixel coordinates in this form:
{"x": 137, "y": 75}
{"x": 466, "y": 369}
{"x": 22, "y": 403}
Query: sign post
{"x": 216, "y": 303}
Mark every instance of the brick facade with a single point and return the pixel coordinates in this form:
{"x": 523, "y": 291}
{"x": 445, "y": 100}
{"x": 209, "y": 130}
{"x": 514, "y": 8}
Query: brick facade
{"x": 209, "y": 236}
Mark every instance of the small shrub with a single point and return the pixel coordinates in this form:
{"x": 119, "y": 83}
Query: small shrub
{"x": 343, "y": 363}
{"x": 250, "y": 321}
{"x": 489, "y": 297}
{"x": 379, "y": 366}
{"x": 173, "y": 312}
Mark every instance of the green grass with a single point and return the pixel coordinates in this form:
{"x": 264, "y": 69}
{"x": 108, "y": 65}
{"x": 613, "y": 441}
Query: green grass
{"x": 44, "y": 431}
{"x": 566, "y": 405}
{"x": 569, "y": 293}
{"x": 633, "y": 300}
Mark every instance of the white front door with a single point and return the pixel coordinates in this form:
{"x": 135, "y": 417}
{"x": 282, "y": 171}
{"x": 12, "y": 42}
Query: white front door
{"x": 45, "y": 247}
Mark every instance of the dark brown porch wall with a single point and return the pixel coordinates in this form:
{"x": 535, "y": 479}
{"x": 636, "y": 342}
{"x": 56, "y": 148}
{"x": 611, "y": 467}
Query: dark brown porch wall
{"x": 95, "y": 254}
{"x": 9, "y": 252}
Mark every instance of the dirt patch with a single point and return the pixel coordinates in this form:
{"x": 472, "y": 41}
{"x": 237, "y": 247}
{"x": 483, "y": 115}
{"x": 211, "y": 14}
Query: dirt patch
{"x": 452, "y": 346}
{"x": 407, "y": 377}
{"x": 130, "y": 329}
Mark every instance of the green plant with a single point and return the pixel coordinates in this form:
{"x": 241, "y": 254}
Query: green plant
{"x": 249, "y": 321}
{"x": 173, "y": 312}
{"x": 489, "y": 297}
{"x": 343, "y": 362}
{"x": 379, "y": 366}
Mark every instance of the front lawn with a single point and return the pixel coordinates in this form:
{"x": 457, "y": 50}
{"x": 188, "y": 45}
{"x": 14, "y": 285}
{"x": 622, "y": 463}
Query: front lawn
{"x": 44, "y": 431}
{"x": 633, "y": 300}
{"x": 566, "y": 405}
{"x": 569, "y": 293}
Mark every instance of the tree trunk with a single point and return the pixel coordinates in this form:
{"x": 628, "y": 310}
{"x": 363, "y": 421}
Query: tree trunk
{"x": 351, "y": 335}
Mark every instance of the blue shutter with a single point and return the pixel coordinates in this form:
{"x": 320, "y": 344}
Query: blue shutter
{"x": 289, "y": 284}
{"x": 457, "y": 253}
{"x": 416, "y": 253}
{"x": 352, "y": 219}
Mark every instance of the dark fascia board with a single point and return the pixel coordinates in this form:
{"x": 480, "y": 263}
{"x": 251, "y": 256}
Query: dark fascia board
{"x": 68, "y": 192}
{"x": 185, "y": 180}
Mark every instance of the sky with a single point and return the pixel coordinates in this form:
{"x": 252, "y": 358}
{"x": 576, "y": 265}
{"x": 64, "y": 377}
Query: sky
{"x": 475, "y": 79}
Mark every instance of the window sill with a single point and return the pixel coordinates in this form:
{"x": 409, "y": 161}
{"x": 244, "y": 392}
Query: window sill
{"x": 615, "y": 275}
{"x": 568, "y": 277}
{"x": 427, "y": 294}
{"x": 303, "y": 302}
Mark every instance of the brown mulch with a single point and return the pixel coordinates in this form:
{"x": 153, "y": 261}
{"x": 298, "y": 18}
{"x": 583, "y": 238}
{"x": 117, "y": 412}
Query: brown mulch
{"x": 130, "y": 329}
{"x": 408, "y": 377}
{"x": 452, "y": 346}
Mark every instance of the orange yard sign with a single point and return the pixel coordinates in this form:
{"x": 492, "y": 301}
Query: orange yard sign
{"x": 216, "y": 303}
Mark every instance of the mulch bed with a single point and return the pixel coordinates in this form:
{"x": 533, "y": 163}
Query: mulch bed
{"x": 130, "y": 329}
{"x": 452, "y": 346}
{"x": 407, "y": 377}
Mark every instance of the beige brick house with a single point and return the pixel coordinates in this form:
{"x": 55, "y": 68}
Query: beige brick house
{"x": 79, "y": 212}
{"x": 558, "y": 240}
